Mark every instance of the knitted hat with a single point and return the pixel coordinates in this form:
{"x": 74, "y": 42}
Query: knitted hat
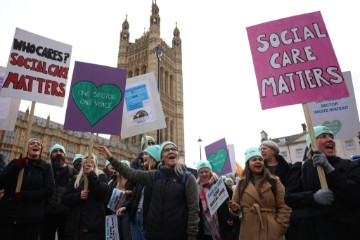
{"x": 162, "y": 147}
{"x": 203, "y": 164}
{"x": 57, "y": 146}
{"x": 229, "y": 179}
{"x": 318, "y": 130}
{"x": 252, "y": 152}
{"x": 148, "y": 138}
{"x": 126, "y": 162}
{"x": 107, "y": 163}
{"x": 272, "y": 145}
{"x": 32, "y": 139}
{"x": 153, "y": 151}
{"x": 77, "y": 156}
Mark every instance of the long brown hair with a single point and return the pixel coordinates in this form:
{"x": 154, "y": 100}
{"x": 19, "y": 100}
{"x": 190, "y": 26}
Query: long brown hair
{"x": 246, "y": 175}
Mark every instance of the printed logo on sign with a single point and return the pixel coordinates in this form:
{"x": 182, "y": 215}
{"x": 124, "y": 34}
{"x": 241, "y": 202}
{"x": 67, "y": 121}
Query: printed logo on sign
{"x": 141, "y": 116}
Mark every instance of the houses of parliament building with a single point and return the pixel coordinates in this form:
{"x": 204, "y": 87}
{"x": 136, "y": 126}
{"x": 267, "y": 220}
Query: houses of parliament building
{"x": 137, "y": 58}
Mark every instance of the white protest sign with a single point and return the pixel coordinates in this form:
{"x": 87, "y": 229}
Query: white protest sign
{"x": 37, "y": 69}
{"x": 116, "y": 200}
{"x": 216, "y": 195}
{"x": 142, "y": 110}
{"x": 111, "y": 227}
{"x": 339, "y": 114}
{"x": 9, "y": 108}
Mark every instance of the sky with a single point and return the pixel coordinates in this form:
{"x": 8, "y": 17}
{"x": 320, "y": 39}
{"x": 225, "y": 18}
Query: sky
{"x": 221, "y": 98}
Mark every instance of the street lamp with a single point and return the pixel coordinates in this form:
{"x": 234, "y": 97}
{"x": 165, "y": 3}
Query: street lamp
{"x": 159, "y": 51}
{"x": 200, "y": 140}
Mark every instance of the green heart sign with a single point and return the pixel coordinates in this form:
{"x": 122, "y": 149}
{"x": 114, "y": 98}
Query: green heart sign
{"x": 334, "y": 126}
{"x": 218, "y": 160}
{"x": 95, "y": 102}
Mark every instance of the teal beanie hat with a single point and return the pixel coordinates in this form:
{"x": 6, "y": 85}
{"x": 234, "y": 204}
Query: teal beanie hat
{"x": 203, "y": 164}
{"x": 77, "y": 156}
{"x": 153, "y": 151}
{"x": 148, "y": 138}
{"x": 229, "y": 179}
{"x": 32, "y": 139}
{"x": 163, "y": 145}
{"x": 126, "y": 162}
{"x": 252, "y": 152}
{"x": 57, "y": 146}
{"x": 318, "y": 130}
{"x": 107, "y": 163}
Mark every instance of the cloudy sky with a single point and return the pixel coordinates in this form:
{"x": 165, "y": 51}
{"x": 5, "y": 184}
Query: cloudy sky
{"x": 221, "y": 99}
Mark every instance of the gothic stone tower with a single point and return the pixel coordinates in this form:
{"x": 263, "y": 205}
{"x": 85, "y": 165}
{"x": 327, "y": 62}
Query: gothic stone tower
{"x": 138, "y": 58}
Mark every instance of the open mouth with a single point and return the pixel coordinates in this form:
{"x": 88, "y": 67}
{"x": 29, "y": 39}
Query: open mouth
{"x": 258, "y": 166}
{"x": 329, "y": 146}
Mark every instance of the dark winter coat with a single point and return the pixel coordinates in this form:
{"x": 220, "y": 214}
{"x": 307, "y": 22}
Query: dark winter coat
{"x": 138, "y": 162}
{"x": 3, "y": 163}
{"x": 135, "y": 199}
{"x": 223, "y": 214}
{"x": 63, "y": 178}
{"x": 174, "y": 206}
{"x": 282, "y": 168}
{"x": 38, "y": 184}
{"x": 312, "y": 221}
{"x": 86, "y": 216}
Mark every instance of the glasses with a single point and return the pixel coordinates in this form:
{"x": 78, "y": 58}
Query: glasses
{"x": 170, "y": 149}
{"x": 151, "y": 143}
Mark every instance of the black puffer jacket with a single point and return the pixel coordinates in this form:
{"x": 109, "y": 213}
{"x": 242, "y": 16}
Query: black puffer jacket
{"x": 38, "y": 184}
{"x": 174, "y": 206}
{"x": 86, "y": 215}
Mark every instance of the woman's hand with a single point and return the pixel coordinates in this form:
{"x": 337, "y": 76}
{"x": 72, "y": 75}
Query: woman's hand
{"x": 230, "y": 222}
{"x": 104, "y": 150}
{"x": 121, "y": 211}
{"x": 128, "y": 193}
{"x": 84, "y": 194}
{"x": 234, "y": 206}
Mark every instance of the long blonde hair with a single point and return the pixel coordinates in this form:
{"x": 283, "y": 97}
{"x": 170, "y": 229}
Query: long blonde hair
{"x": 81, "y": 174}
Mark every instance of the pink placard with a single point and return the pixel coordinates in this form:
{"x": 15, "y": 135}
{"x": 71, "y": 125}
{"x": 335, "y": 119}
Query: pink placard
{"x": 295, "y": 62}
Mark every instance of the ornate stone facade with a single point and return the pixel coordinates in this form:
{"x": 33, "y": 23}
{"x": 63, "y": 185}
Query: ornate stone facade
{"x": 138, "y": 58}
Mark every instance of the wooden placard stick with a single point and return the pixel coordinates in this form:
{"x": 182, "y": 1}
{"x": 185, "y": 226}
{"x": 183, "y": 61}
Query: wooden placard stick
{"x": 88, "y": 160}
{"x": 320, "y": 170}
{"x": 24, "y": 152}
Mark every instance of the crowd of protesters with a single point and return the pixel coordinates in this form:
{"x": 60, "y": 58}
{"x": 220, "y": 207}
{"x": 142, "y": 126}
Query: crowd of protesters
{"x": 163, "y": 200}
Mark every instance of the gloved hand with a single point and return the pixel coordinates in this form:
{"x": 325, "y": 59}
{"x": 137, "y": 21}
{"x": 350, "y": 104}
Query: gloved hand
{"x": 320, "y": 159}
{"x": 324, "y": 197}
{"x": 23, "y": 162}
{"x": 16, "y": 197}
